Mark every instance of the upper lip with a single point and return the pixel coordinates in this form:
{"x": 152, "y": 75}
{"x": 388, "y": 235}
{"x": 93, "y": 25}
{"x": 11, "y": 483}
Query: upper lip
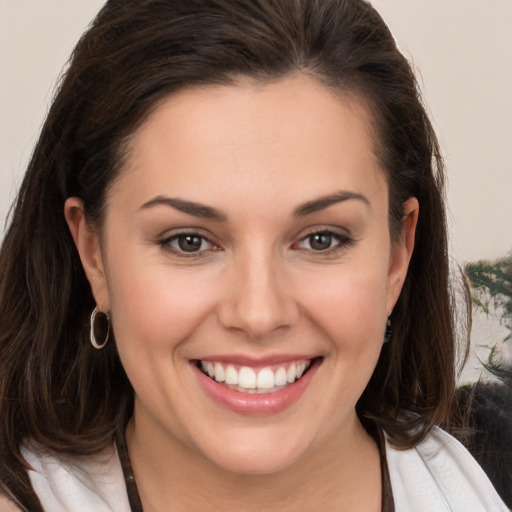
{"x": 256, "y": 361}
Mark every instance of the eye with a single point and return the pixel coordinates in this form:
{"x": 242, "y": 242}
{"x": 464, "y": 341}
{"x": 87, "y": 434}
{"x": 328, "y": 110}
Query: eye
{"x": 324, "y": 241}
{"x": 190, "y": 243}
{"x": 185, "y": 244}
{"x": 320, "y": 241}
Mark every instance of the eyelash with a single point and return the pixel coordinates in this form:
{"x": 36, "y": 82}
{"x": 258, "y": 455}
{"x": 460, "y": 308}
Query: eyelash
{"x": 342, "y": 242}
{"x": 166, "y": 244}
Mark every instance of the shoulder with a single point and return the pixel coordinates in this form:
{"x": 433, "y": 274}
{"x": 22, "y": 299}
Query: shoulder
{"x": 440, "y": 475}
{"x": 77, "y": 485}
{"x": 6, "y": 505}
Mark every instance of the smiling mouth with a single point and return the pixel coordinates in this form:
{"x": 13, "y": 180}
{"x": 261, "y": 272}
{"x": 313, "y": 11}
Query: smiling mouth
{"x": 246, "y": 379}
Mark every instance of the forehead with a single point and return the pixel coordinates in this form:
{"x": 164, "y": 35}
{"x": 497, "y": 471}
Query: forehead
{"x": 287, "y": 138}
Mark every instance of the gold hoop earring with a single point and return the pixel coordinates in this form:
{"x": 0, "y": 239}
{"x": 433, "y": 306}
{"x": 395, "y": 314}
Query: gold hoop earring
{"x": 100, "y": 325}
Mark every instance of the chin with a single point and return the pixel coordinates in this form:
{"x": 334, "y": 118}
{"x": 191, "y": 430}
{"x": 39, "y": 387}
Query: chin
{"x": 256, "y": 463}
{"x": 247, "y": 456}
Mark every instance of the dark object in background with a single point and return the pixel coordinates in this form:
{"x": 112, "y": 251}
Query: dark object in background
{"x": 482, "y": 422}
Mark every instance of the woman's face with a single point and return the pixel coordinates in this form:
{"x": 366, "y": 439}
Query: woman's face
{"x": 248, "y": 237}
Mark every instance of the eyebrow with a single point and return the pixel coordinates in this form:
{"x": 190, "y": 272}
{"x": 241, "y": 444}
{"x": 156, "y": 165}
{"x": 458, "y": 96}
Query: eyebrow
{"x": 190, "y": 207}
{"x": 324, "y": 202}
{"x": 208, "y": 212}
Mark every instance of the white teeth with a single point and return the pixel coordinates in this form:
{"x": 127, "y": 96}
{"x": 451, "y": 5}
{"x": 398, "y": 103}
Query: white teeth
{"x": 291, "y": 374}
{"x": 280, "y": 377}
{"x": 265, "y": 379}
{"x": 247, "y": 378}
{"x": 231, "y": 375}
{"x": 219, "y": 373}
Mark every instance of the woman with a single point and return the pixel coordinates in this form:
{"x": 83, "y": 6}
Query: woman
{"x": 225, "y": 281}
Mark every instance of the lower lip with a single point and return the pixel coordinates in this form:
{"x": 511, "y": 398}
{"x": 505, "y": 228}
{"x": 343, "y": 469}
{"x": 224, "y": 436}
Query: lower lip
{"x": 257, "y": 404}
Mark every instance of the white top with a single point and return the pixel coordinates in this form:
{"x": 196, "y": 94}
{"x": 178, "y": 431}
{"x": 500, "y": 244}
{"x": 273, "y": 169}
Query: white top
{"x": 94, "y": 484}
{"x": 439, "y": 475}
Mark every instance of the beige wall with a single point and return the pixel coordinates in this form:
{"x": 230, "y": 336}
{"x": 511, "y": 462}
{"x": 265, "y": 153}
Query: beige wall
{"x": 463, "y": 50}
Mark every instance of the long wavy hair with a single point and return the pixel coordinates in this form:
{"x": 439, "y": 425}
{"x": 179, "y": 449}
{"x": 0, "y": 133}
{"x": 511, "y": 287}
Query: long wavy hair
{"x": 71, "y": 399}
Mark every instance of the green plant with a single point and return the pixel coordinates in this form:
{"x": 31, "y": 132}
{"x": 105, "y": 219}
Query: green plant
{"x": 491, "y": 288}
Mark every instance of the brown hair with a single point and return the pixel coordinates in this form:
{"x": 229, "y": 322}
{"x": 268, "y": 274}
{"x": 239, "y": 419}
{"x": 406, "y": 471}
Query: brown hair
{"x": 54, "y": 387}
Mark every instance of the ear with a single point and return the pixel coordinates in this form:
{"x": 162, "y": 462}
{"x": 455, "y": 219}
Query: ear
{"x": 87, "y": 242}
{"x": 401, "y": 252}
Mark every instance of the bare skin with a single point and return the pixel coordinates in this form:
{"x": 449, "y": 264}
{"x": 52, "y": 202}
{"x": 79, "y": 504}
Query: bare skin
{"x": 353, "y": 467}
{"x": 7, "y": 505}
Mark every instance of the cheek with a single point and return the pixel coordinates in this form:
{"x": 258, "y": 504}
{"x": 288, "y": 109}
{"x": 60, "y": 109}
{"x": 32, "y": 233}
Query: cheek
{"x": 349, "y": 305}
{"x": 153, "y": 307}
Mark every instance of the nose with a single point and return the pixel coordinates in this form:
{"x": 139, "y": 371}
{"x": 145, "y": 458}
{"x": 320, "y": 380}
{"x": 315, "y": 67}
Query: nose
{"x": 259, "y": 299}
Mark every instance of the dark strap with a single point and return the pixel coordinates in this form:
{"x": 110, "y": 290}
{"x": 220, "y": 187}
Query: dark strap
{"x": 388, "y": 503}
{"x": 131, "y": 485}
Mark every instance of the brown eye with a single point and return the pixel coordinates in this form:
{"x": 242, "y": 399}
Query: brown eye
{"x": 189, "y": 243}
{"x": 327, "y": 242}
{"x": 320, "y": 241}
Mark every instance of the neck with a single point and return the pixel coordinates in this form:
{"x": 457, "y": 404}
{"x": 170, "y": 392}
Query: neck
{"x": 341, "y": 475}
